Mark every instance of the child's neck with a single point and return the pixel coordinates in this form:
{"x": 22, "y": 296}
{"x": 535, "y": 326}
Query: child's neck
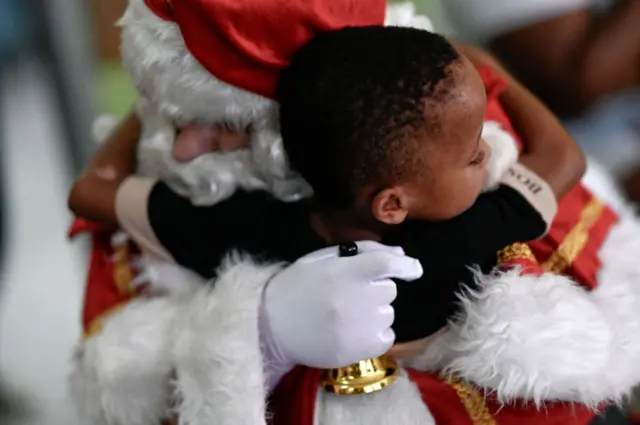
{"x": 338, "y": 226}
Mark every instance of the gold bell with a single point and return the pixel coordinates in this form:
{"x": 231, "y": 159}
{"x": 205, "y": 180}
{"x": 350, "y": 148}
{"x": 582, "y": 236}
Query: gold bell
{"x": 364, "y": 377}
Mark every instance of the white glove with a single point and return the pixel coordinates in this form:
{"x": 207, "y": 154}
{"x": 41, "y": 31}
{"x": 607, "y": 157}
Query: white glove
{"x": 328, "y": 311}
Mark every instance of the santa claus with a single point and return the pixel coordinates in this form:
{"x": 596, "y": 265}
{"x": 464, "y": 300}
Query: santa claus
{"x": 530, "y": 339}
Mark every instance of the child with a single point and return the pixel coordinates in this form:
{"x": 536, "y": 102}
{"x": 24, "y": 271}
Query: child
{"x": 385, "y": 124}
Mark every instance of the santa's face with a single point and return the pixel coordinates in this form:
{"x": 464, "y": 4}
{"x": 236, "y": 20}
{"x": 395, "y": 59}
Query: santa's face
{"x": 181, "y": 94}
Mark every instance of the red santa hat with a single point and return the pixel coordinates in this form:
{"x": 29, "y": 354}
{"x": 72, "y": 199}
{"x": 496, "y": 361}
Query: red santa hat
{"x": 246, "y": 43}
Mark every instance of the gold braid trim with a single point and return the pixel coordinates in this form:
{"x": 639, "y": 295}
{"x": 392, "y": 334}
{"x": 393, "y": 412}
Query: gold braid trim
{"x": 473, "y": 402}
{"x": 122, "y": 271}
{"x": 123, "y": 278}
{"x": 516, "y": 251}
{"x": 575, "y": 240}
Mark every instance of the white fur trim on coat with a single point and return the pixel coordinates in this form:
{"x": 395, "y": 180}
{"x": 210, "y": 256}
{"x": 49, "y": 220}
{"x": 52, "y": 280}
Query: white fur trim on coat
{"x": 522, "y": 336}
{"x": 398, "y": 404}
{"x": 122, "y": 374}
{"x": 219, "y": 365}
{"x": 208, "y": 336}
{"x": 545, "y": 338}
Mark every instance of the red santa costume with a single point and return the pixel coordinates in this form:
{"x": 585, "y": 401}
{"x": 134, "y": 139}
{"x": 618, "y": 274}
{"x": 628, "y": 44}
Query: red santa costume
{"x": 529, "y": 340}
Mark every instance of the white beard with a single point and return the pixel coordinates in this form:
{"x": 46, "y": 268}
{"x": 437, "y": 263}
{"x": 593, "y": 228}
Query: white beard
{"x": 175, "y": 91}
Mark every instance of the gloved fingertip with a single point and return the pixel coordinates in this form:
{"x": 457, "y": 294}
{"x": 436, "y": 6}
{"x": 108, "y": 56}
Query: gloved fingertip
{"x": 412, "y": 271}
{"x": 388, "y": 337}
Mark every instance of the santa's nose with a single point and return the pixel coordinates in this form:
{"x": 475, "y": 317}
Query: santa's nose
{"x": 195, "y": 140}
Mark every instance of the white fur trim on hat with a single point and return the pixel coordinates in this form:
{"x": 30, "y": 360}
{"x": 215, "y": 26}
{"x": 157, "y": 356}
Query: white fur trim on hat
{"x": 219, "y": 363}
{"x": 404, "y": 15}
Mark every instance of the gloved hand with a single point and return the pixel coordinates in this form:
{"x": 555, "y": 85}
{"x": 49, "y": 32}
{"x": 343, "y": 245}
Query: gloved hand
{"x": 328, "y": 311}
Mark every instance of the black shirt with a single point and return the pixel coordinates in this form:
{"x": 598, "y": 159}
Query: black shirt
{"x": 254, "y": 222}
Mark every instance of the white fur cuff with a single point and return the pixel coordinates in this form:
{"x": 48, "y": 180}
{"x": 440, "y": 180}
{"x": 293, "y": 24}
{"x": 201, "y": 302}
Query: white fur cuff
{"x": 219, "y": 364}
{"x": 504, "y": 152}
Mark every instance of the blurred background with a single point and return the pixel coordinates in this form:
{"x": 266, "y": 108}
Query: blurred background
{"x": 60, "y": 69}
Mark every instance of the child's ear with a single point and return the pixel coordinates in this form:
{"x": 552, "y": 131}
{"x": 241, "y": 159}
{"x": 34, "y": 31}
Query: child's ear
{"x": 390, "y": 206}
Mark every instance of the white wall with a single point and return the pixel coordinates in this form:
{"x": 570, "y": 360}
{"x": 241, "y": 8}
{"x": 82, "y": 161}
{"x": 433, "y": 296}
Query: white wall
{"x": 42, "y": 283}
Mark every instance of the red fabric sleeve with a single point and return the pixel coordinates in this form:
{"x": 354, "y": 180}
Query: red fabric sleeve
{"x": 495, "y": 86}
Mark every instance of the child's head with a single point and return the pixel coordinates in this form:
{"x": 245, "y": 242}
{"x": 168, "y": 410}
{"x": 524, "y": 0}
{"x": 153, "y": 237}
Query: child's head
{"x": 385, "y": 120}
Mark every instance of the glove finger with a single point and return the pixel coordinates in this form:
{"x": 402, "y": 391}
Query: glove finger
{"x": 387, "y": 316}
{"x": 380, "y": 265}
{"x": 383, "y": 292}
{"x": 387, "y": 338}
{"x": 370, "y": 345}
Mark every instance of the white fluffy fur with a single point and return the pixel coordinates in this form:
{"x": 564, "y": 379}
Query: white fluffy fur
{"x": 399, "y": 404}
{"x": 545, "y": 338}
{"x": 121, "y": 376}
{"x": 504, "y": 152}
{"x": 219, "y": 365}
{"x": 209, "y": 337}
{"x": 523, "y": 336}
{"x": 182, "y": 92}
{"x": 164, "y": 278}
{"x": 404, "y": 15}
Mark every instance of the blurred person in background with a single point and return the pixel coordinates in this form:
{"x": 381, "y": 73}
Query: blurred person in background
{"x": 582, "y": 57}
{"x": 13, "y": 33}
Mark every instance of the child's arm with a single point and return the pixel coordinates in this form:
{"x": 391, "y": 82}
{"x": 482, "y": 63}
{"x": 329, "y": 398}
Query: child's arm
{"x": 94, "y": 193}
{"x": 171, "y": 228}
{"x": 549, "y": 150}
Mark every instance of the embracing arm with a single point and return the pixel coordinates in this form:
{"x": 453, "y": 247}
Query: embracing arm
{"x": 583, "y": 58}
{"x": 93, "y": 195}
{"x": 208, "y": 347}
{"x": 549, "y": 150}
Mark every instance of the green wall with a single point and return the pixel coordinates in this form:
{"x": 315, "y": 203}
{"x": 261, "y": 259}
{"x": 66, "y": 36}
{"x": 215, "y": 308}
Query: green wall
{"x": 116, "y": 93}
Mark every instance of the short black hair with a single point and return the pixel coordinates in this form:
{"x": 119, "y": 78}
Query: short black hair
{"x": 350, "y": 101}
